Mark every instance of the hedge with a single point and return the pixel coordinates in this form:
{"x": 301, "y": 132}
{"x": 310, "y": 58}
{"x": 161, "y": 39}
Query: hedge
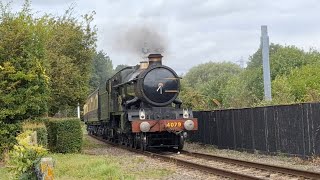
{"x": 8, "y": 133}
{"x": 40, "y": 128}
{"x": 64, "y": 135}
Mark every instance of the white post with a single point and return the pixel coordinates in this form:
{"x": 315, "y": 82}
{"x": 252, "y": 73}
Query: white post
{"x": 78, "y": 110}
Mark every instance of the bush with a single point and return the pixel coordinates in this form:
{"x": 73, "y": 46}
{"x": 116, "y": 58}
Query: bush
{"x": 40, "y": 128}
{"x": 8, "y": 133}
{"x": 25, "y": 156}
{"x": 64, "y": 135}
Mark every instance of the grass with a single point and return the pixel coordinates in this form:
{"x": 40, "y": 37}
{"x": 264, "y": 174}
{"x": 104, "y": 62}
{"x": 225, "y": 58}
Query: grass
{"x": 89, "y": 144}
{"x": 81, "y": 166}
{"x": 85, "y": 166}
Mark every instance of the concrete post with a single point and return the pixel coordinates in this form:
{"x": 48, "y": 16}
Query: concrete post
{"x": 46, "y": 168}
{"x": 266, "y": 63}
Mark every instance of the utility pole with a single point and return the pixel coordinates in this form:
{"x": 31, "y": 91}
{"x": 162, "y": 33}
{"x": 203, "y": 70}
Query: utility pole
{"x": 266, "y": 63}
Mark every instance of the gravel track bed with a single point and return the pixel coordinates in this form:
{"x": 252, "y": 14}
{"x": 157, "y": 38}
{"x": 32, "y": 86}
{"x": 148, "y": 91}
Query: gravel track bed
{"x": 312, "y": 164}
{"x": 236, "y": 168}
{"x": 126, "y": 157}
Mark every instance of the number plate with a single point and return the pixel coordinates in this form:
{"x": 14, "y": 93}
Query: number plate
{"x": 173, "y": 124}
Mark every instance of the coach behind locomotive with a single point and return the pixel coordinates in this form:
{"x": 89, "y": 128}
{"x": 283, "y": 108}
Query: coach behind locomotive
{"x": 138, "y": 107}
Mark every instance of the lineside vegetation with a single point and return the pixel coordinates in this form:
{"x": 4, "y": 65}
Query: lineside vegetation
{"x": 294, "y": 73}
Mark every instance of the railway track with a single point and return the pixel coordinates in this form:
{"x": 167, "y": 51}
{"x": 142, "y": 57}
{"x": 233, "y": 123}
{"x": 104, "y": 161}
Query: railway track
{"x": 290, "y": 172}
{"x": 226, "y": 167}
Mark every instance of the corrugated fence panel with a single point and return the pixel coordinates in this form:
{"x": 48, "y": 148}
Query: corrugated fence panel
{"x": 289, "y": 129}
{"x": 315, "y": 126}
{"x": 225, "y": 130}
{"x": 259, "y": 130}
{"x": 239, "y": 131}
{"x": 271, "y": 129}
{"x": 212, "y": 129}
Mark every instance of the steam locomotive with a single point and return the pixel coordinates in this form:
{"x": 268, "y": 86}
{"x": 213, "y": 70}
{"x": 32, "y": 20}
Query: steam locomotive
{"x": 138, "y": 107}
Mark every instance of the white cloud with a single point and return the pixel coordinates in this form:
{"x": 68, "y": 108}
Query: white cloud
{"x": 200, "y": 31}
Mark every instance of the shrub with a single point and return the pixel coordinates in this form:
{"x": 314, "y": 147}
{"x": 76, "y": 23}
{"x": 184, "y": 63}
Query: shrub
{"x": 8, "y": 133}
{"x": 40, "y": 128}
{"x": 25, "y": 156}
{"x": 64, "y": 135}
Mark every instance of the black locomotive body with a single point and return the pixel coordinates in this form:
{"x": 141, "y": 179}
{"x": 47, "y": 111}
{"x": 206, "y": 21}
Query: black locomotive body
{"x": 138, "y": 107}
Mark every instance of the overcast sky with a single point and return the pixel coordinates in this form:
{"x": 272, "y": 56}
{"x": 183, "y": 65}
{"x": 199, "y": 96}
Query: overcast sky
{"x": 197, "y": 31}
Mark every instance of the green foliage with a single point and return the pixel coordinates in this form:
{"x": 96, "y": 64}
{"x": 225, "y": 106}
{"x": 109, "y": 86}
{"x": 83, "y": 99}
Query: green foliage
{"x": 64, "y": 135}
{"x": 283, "y": 59}
{"x": 282, "y": 91}
{"x": 294, "y": 76}
{"x": 40, "y": 128}
{"x": 25, "y": 156}
{"x": 8, "y": 133}
{"x": 23, "y": 78}
{"x": 45, "y": 62}
{"x": 302, "y": 85}
{"x": 206, "y": 82}
{"x": 192, "y": 98}
{"x": 102, "y": 69}
{"x": 71, "y": 47}
{"x": 236, "y": 93}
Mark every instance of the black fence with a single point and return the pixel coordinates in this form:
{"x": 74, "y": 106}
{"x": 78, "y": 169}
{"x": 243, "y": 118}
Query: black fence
{"x": 287, "y": 129}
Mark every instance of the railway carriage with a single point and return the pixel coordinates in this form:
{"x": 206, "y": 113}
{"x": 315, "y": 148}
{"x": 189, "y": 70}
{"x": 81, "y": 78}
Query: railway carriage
{"x": 139, "y": 107}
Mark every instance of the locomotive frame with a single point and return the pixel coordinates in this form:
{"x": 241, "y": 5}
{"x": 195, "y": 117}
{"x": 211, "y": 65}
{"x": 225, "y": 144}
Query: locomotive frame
{"x": 138, "y": 107}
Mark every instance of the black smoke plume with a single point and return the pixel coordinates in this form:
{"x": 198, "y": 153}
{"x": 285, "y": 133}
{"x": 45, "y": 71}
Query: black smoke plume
{"x": 142, "y": 39}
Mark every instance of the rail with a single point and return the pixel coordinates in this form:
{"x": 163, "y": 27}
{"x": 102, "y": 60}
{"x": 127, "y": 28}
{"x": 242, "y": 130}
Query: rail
{"x": 225, "y": 172}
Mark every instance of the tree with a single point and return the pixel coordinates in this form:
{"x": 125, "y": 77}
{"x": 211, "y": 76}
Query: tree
{"x": 209, "y": 80}
{"x": 102, "y": 69}
{"x": 283, "y": 59}
{"x": 23, "y": 76}
{"x": 236, "y": 94}
{"x": 70, "y": 51}
{"x": 302, "y": 85}
{"x": 45, "y": 62}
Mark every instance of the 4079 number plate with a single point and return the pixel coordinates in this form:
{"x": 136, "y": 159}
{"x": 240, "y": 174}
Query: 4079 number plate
{"x": 173, "y": 124}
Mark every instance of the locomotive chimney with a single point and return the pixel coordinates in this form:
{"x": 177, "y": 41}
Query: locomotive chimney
{"x": 144, "y": 65}
{"x": 155, "y": 59}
